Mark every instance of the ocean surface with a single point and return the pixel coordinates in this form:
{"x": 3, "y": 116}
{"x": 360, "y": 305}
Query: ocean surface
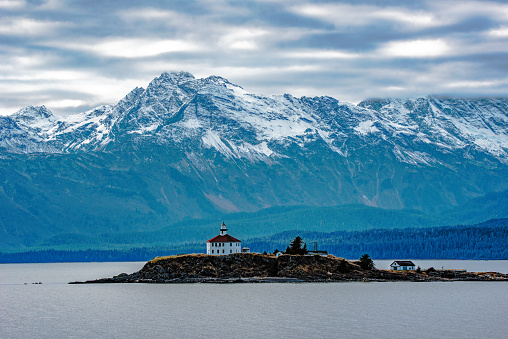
{"x": 54, "y": 309}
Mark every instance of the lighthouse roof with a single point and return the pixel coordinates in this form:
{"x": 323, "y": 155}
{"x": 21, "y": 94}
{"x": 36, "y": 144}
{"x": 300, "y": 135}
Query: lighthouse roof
{"x": 224, "y": 238}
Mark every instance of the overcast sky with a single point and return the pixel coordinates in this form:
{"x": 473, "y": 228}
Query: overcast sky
{"x": 74, "y": 55}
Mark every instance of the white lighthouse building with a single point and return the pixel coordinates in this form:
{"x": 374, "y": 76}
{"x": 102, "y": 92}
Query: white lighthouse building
{"x": 223, "y": 243}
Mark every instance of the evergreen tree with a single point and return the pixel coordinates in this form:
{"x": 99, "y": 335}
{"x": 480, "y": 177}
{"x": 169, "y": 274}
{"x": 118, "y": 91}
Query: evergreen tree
{"x": 366, "y": 262}
{"x": 297, "y": 246}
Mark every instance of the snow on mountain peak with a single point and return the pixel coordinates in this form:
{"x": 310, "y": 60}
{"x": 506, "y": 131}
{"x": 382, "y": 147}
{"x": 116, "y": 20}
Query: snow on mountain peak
{"x": 35, "y": 117}
{"x": 176, "y": 107}
{"x": 174, "y": 77}
{"x": 447, "y": 122}
{"x": 33, "y": 112}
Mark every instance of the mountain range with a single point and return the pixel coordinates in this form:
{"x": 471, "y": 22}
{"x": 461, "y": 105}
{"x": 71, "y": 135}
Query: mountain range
{"x": 187, "y": 148}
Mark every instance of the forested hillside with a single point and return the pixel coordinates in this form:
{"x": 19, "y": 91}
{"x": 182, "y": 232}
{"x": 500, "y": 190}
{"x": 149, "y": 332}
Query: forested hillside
{"x": 482, "y": 241}
{"x": 488, "y": 240}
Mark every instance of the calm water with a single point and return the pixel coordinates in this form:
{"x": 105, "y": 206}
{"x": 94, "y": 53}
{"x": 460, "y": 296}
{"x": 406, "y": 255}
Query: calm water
{"x": 335, "y": 310}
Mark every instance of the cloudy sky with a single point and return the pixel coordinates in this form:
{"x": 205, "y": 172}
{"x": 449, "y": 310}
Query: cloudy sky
{"x": 74, "y": 55}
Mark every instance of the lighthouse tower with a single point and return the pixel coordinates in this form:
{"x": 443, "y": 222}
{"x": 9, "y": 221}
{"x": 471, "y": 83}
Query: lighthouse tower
{"x": 223, "y": 229}
{"x": 223, "y": 243}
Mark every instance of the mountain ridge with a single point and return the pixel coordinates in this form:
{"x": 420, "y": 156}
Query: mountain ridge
{"x": 152, "y": 112}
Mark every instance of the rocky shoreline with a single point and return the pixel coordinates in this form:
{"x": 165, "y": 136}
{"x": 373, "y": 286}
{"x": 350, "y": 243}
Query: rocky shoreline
{"x": 259, "y": 268}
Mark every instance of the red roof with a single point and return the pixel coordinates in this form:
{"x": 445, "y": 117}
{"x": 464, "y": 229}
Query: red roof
{"x": 224, "y": 238}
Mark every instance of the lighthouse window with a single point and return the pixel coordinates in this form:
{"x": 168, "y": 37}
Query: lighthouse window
{"x": 212, "y": 251}
{"x": 230, "y": 251}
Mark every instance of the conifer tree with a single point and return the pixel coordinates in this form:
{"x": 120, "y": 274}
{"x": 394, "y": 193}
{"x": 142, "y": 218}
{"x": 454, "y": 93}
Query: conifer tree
{"x": 297, "y": 246}
{"x": 366, "y": 262}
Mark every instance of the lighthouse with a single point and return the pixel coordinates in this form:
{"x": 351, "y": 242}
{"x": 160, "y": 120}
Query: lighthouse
{"x": 223, "y": 244}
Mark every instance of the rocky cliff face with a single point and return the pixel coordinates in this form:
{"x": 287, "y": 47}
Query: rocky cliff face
{"x": 187, "y": 147}
{"x": 200, "y": 268}
{"x": 246, "y": 266}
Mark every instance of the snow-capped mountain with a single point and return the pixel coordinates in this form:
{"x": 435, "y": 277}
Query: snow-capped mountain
{"x": 178, "y": 108}
{"x": 186, "y": 147}
{"x": 447, "y": 124}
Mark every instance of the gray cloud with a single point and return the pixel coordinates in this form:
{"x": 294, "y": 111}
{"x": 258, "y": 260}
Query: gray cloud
{"x": 72, "y": 56}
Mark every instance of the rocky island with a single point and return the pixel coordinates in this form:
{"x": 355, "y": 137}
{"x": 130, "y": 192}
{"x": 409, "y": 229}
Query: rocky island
{"x": 253, "y": 267}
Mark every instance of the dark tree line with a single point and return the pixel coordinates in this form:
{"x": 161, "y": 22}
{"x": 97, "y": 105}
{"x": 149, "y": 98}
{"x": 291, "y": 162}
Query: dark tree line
{"x": 133, "y": 254}
{"x": 484, "y": 241}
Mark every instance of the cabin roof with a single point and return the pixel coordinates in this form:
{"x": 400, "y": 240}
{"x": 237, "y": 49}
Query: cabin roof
{"x": 402, "y": 263}
{"x": 223, "y": 238}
